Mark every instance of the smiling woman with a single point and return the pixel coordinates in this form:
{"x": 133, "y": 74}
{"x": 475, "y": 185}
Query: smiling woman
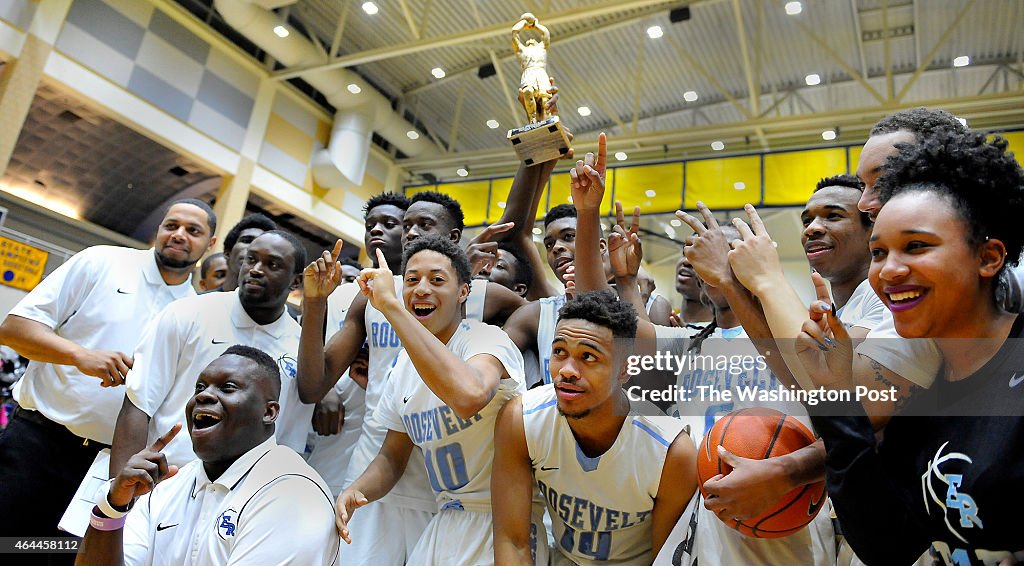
{"x": 949, "y": 476}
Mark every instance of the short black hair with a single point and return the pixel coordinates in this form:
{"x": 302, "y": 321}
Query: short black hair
{"x": 267, "y": 366}
{"x": 443, "y": 246}
{"x": 211, "y": 216}
{"x": 451, "y": 205}
{"x": 921, "y": 121}
{"x": 350, "y": 261}
{"x": 849, "y": 181}
{"x": 257, "y": 220}
{"x": 394, "y": 199}
{"x": 523, "y": 272}
{"x": 204, "y": 267}
{"x": 983, "y": 181}
{"x": 602, "y": 308}
{"x": 298, "y": 250}
{"x": 559, "y": 212}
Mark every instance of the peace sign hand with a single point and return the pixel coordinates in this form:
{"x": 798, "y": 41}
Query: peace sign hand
{"x": 625, "y": 251}
{"x": 323, "y": 275}
{"x": 377, "y": 284}
{"x": 708, "y": 249}
{"x": 143, "y": 471}
{"x": 753, "y": 258}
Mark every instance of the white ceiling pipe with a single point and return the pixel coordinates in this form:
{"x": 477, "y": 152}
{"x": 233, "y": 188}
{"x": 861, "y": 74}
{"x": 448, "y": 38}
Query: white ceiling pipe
{"x": 350, "y": 150}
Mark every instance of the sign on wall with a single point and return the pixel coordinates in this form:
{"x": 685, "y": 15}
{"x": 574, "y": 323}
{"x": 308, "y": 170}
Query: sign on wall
{"x": 21, "y": 265}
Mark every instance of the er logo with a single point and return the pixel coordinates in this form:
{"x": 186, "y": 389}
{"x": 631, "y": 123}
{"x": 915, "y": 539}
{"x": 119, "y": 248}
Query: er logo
{"x": 226, "y": 523}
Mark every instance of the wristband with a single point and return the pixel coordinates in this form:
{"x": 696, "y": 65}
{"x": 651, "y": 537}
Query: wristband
{"x": 104, "y": 506}
{"x": 105, "y": 523}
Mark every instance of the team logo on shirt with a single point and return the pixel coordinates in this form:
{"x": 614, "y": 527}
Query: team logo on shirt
{"x": 226, "y": 523}
{"x": 288, "y": 365}
{"x": 949, "y": 483}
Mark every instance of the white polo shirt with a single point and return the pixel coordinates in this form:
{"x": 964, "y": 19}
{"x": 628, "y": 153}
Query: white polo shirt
{"x": 101, "y": 299}
{"x": 184, "y": 339}
{"x": 269, "y": 507}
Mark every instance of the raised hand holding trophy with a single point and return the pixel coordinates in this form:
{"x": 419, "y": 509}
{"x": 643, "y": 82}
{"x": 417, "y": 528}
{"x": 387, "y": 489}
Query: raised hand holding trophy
{"x": 544, "y": 138}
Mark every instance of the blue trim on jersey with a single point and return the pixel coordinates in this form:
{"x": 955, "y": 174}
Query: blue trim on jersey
{"x": 731, "y": 333}
{"x": 651, "y": 432}
{"x": 586, "y": 462}
{"x": 539, "y": 407}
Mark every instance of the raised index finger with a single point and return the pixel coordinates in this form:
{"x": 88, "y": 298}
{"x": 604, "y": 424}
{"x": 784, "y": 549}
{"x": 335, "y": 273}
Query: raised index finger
{"x": 382, "y": 261}
{"x": 755, "y": 220}
{"x": 602, "y": 153}
{"x": 709, "y": 218}
{"x": 336, "y": 251}
{"x": 164, "y": 440}
{"x": 820, "y": 288}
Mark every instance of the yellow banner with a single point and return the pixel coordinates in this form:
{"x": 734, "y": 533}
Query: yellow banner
{"x": 21, "y": 265}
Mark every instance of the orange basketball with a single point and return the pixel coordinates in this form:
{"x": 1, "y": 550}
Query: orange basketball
{"x": 758, "y": 434}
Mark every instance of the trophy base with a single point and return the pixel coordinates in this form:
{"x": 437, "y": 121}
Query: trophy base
{"x": 543, "y": 141}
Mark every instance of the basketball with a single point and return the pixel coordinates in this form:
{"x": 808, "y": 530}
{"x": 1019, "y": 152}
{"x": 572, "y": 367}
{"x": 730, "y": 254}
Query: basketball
{"x": 758, "y": 434}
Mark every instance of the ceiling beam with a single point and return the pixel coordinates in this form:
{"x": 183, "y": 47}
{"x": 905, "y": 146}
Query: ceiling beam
{"x": 453, "y": 135}
{"x": 753, "y": 92}
{"x": 1010, "y": 104}
{"x": 890, "y": 89}
{"x": 560, "y": 40}
{"x": 503, "y": 28}
{"x": 409, "y": 20}
{"x": 696, "y": 65}
{"x": 339, "y": 29}
{"x": 935, "y": 50}
{"x": 855, "y": 14}
{"x": 849, "y": 70}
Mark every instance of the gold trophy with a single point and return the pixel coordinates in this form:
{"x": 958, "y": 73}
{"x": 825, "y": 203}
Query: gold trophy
{"x": 544, "y": 138}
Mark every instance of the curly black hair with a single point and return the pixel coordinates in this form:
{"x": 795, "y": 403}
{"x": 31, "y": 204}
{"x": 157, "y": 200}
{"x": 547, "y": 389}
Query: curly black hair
{"x": 921, "y": 121}
{"x": 602, "y": 308}
{"x": 849, "y": 181}
{"x": 523, "y": 272}
{"x": 983, "y": 181}
{"x": 451, "y": 205}
{"x": 443, "y": 246}
{"x": 394, "y": 199}
{"x": 251, "y": 221}
{"x": 559, "y": 212}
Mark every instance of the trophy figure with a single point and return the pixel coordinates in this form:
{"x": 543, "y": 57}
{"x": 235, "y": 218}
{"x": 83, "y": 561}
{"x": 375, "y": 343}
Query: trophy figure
{"x": 543, "y": 139}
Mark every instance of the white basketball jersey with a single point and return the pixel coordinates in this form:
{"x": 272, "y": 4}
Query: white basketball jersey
{"x": 546, "y": 322}
{"x": 600, "y": 507}
{"x": 458, "y": 452}
{"x": 413, "y": 490}
{"x": 729, "y": 363}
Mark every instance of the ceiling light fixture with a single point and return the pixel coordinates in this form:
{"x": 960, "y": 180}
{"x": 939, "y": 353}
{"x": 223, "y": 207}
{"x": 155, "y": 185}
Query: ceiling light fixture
{"x": 492, "y": 124}
{"x": 812, "y": 79}
{"x": 370, "y": 8}
{"x": 717, "y": 145}
{"x": 962, "y": 61}
{"x": 828, "y": 135}
{"x": 654, "y": 32}
{"x": 438, "y": 72}
{"x": 462, "y": 172}
{"x": 794, "y": 8}
{"x": 354, "y": 88}
{"x": 690, "y": 96}
{"x": 584, "y": 110}
{"x": 413, "y": 134}
{"x": 621, "y": 156}
{"x": 280, "y": 31}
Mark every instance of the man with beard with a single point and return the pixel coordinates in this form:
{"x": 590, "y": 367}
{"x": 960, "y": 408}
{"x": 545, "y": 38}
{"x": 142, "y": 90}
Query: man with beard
{"x": 189, "y": 334}
{"x": 78, "y": 326}
{"x": 237, "y": 241}
{"x": 236, "y": 503}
